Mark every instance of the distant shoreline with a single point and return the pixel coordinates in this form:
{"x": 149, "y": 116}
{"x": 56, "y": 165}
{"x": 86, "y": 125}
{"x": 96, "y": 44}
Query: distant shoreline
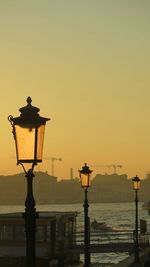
{"x": 64, "y": 203}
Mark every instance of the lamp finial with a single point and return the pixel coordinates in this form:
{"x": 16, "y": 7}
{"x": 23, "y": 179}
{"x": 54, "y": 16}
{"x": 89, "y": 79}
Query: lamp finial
{"x": 29, "y": 100}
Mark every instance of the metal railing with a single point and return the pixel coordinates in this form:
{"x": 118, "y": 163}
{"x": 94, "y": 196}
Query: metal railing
{"x": 112, "y": 241}
{"x": 105, "y": 237}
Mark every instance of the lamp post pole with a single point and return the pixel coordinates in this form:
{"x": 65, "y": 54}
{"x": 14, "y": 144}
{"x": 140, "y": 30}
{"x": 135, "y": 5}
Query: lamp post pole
{"x": 136, "y": 186}
{"x": 86, "y": 231}
{"x": 136, "y": 228}
{"x": 28, "y": 132}
{"x": 85, "y": 174}
{"x": 30, "y": 215}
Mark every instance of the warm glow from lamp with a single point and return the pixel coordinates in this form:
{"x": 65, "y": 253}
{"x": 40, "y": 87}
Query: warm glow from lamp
{"x": 28, "y": 130}
{"x": 29, "y": 143}
{"x": 85, "y": 175}
{"x": 136, "y": 183}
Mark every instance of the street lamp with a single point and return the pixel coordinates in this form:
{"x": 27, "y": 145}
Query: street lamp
{"x": 28, "y": 131}
{"x": 85, "y": 174}
{"x": 136, "y": 186}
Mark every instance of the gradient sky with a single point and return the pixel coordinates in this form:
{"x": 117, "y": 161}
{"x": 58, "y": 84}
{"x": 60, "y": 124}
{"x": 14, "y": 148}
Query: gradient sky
{"x": 86, "y": 65}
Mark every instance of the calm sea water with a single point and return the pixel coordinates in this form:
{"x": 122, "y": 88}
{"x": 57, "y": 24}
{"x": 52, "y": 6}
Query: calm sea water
{"x": 119, "y": 216}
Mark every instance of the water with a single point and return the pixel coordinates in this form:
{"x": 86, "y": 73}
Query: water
{"x": 120, "y": 216}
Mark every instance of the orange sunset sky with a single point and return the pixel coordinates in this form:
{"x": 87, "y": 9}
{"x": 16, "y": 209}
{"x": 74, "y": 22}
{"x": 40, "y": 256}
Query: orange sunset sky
{"x": 86, "y": 65}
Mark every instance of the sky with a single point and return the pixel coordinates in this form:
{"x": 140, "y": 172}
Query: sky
{"x": 85, "y": 64}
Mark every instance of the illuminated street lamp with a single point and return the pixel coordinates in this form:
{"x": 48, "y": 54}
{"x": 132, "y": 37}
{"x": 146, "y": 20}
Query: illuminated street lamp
{"x": 28, "y": 131}
{"x": 136, "y": 186}
{"x": 85, "y": 174}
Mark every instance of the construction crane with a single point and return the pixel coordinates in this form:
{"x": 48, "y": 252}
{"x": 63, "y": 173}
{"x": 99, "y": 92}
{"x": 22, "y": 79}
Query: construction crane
{"x": 109, "y": 166}
{"x": 52, "y": 163}
{"x": 115, "y": 167}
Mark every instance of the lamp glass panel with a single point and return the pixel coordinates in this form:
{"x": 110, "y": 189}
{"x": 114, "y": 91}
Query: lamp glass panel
{"x": 25, "y": 143}
{"x": 40, "y": 141}
{"x": 136, "y": 185}
{"x": 85, "y": 180}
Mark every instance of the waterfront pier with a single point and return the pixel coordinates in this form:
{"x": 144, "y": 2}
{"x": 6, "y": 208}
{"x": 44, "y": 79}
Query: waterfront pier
{"x": 116, "y": 241}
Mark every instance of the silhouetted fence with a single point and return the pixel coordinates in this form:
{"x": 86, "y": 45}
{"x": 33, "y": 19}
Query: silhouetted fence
{"x": 115, "y": 241}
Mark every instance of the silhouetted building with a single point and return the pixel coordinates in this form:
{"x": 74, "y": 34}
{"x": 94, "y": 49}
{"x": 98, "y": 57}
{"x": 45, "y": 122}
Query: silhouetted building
{"x": 55, "y": 239}
{"x": 47, "y": 190}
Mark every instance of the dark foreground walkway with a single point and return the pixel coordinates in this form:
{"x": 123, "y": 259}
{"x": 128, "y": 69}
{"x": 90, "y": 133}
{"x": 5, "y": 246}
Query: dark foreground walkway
{"x": 108, "y": 247}
{"x": 129, "y": 262}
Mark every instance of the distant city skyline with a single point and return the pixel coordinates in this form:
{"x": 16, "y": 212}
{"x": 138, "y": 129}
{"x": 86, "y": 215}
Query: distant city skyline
{"x": 48, "y": 189}
{"x": 85, "y": 64}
